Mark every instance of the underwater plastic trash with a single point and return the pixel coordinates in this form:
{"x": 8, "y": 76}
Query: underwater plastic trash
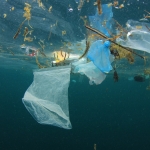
{"x": 29, "y": 50}
{"x": 139, "y": 77}
{"x": 102, "y": 22}
{"x": 99, "y": 54}
{"x": 46, "y": 99}
{"x": 90, "y": 70}
{"x": 138, "y": 36}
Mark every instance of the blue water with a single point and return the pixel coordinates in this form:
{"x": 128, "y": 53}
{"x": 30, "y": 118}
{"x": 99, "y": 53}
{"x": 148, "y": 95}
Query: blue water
{"x": 111, "y": 115}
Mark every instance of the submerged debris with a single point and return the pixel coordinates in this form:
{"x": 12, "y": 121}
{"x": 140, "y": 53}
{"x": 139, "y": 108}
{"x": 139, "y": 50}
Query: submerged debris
{"x": 81, "y": 2}
{"x": 115, "y": 77}
{"x": 39, "y": 64}
{"x": 147, "y": 71}
{"x": 109, "y": 39}
{"x": 99, "y": 6}
{"x": 115, "y": 53}
{"x": 139, "y": 78}
{"x": 19, "y": 29}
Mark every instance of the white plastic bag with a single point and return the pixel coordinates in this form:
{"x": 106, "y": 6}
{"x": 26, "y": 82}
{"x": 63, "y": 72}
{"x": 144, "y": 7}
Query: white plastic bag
{"x": 47, "y": 97}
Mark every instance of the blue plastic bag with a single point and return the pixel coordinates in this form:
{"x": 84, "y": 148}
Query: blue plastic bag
{"x": 99, "y": 54}
{"x": 102, "y": 22}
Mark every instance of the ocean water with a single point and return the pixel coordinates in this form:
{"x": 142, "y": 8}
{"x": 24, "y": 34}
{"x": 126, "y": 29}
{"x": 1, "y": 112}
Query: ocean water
{"x": 112, "y": 115}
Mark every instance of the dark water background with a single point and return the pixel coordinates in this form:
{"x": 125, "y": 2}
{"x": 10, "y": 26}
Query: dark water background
{"x": 115, "y": 116}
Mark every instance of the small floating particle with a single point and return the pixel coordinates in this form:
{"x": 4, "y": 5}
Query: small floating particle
{"x": 12, "y": 8}
{"x": 50, "y": 9}
{"x": 74, "y": 81}
{"x": 5, "y": 15}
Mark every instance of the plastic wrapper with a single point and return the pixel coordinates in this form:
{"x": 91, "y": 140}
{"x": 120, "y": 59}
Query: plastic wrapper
{"x": 138, "y": 36}
{"x": 47, "y": 97}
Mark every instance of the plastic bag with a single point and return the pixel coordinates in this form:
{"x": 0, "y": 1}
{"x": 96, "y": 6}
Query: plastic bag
{"x": 102, "y": 22}
{"x": 99, "y": 54}
{"x": 138, "y": 36}
{"x": 90, "y": 70}
{"x": 47, "y": 97}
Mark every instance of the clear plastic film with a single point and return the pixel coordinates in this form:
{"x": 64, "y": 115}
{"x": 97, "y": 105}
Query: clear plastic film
{"x": 47, "y": 97}
{"x": 102, "y": 22}
{"x": 90, "y": 70}
{"x": 138, "y": 36}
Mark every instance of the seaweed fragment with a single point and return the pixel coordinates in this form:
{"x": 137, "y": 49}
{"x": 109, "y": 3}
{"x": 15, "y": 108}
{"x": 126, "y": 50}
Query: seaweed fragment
{"x": 120, "y": 53}
{"x": 42, "y": 53}
{"x": 86, "y": 49}
{"x": 29, "y": 39}
{"x": 81, "y": 2}
{"x": 26, "y": 31}
{"x": 115, "y": 76}
{"x": 41, "y": 43}
{"x": 120, "y": 26}
{"x": 11, "y": 51}
{"x": 99, "y": 6}
{"x": 38, "y": 63}
{"x": 19, "y": 29}
{"x": 27, "y": 16}
{"x": 130, "y": 58}
{"x": 147, "y": 27}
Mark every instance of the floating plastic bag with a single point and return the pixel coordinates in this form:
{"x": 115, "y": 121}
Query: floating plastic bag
{"x": 138, "y": 36}
{"x": 99, "y": 54}
{"x": 47, "y": 97}
{"x": 90, "y": 70}
{"x": 102, "y": 22}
